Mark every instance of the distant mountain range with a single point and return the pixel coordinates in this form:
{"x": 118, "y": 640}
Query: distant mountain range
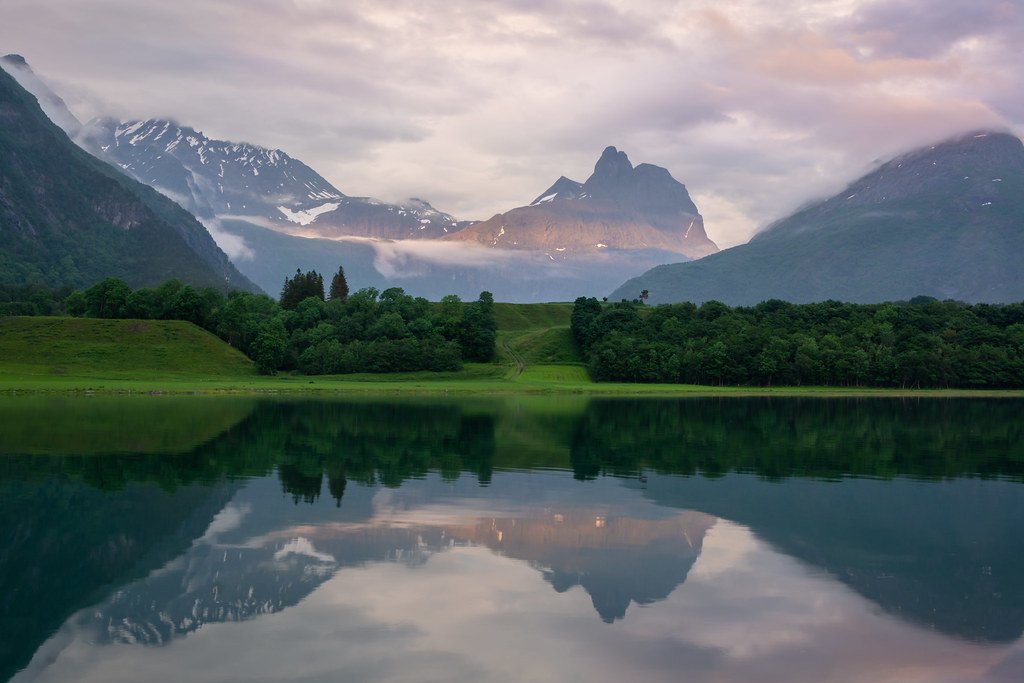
{"x": 576, "y": 239}
{"x": 945, "y": 221}
{"x": 68, "y": 218}
{"x": 219, "y": 179}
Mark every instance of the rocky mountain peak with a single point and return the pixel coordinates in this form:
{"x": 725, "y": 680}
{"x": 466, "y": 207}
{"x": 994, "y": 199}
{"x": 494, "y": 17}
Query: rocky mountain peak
{"x": 619, "y": 209}
{"x": 611, "y": 170}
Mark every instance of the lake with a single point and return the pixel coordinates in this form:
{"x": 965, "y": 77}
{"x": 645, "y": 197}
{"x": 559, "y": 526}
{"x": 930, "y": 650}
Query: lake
{"x": 511, "y": 539}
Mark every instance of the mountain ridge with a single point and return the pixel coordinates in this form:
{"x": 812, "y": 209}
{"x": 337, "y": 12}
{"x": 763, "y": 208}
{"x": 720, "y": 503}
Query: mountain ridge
{"x": 231, "y": 180}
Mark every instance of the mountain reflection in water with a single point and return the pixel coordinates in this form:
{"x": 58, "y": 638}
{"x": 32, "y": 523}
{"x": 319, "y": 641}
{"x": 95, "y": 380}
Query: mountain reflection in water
{"x": 357, "y": 519}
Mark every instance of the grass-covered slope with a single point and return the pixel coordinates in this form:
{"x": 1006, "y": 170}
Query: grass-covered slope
{"x": 67, "y": 218}
{"x": 944, "y": 221}
{"x": 126, "y": 349}
{"x": 536, "y": 334}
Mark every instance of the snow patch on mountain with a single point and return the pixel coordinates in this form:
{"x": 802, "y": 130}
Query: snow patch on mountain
{"x": 309, "y": 215}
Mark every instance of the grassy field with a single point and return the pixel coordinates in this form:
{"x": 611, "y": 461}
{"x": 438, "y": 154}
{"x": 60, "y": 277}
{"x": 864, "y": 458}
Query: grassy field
{"x": 536, "y": 355}
{"x": 125, "y": 349}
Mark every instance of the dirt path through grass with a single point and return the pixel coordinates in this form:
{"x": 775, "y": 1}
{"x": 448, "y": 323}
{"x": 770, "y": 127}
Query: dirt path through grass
{"x": 516, "y": 358}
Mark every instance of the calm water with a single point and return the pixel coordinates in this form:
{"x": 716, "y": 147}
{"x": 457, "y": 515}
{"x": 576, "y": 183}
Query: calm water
{"x": 526, "y": 539}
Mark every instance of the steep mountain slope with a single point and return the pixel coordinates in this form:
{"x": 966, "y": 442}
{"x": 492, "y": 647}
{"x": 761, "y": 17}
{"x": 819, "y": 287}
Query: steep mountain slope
{"x": 215, "y": 178}
{"x": 945, "y": 221}
{"x": 68, "y": 218}
{"x": 619, "y": 208}
{"x": 50, "y": 102}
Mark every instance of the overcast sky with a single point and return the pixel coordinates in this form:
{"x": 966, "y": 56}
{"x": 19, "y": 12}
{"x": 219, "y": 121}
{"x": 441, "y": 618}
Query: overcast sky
{"x": 479, "y": 105}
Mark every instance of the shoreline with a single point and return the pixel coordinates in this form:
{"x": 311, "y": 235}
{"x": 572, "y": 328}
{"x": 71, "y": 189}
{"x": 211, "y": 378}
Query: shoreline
{"x": 446, "y": 386}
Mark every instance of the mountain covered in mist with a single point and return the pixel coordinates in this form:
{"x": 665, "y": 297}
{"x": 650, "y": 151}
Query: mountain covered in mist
{"x": 619, "y": 208}
{"x": 945, "y": 221}
{"x": 273, "y": 214}
{"x": 68, "y": 218}
{"x": 220, "y": 179}
{"x": 50, "y": 102}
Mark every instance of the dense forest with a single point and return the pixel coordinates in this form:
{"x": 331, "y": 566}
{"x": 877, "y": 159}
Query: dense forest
{"x": 307, "y": 330}
{"x": 921, "y": 343}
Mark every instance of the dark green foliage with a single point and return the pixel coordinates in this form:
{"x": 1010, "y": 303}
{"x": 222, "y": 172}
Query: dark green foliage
{"x": 107, "y": 298}
{"x": 16, "y": 299}
{"x": 369, "y": 331}
{"x": 909, "y": 345}
{"x": 269, "y": 346}
{"x": 339, "y": 285}
{"x": 300, "y": 287}
{"x": 331, "y": 357}
{"x": 479, "y": 329}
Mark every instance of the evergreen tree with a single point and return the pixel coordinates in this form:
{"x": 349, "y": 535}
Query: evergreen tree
{"x": 339, "y": 285}
{"x": 301, "y": 287}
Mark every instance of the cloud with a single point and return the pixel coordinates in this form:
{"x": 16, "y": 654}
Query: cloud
{"x": 233, "y": 245}
{"x": 404, "y": 257}
{"x": 478, "y": 106}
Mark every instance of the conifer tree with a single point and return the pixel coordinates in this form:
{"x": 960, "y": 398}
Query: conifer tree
{"x": 300, "y": 287}
{"x": 339, "y": 285}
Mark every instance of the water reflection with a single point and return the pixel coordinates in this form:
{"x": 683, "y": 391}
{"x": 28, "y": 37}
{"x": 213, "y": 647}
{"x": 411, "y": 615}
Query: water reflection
{"x": 349, "y": 535}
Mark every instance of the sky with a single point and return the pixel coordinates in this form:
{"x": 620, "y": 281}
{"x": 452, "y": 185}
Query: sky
{"x": 478, "y": 106}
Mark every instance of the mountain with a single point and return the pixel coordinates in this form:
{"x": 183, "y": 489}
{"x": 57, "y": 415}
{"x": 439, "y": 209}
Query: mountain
{"x": 618, "y": 208}
{"x": 230, "y": 180}
{"x": 68, "y": 218}
{"x": 945, "y": 221}
{"x": 273, "y": 214}
{"x": 53, "y": 106}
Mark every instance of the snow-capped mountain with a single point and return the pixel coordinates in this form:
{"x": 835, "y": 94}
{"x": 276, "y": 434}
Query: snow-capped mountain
{"x": 220, "y": 179}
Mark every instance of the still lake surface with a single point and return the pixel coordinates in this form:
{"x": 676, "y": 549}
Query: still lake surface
{"x": 511, "y": 539}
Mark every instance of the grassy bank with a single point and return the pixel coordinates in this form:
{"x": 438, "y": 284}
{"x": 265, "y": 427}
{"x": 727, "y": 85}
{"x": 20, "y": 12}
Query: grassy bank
{"x": 536, "y": 355}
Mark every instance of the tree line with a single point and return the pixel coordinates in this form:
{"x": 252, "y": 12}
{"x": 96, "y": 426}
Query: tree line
{"x": 916, "y": 344}
{"x": 306, "y": 330}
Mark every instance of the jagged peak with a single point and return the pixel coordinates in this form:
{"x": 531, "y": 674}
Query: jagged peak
{"x": 612, "y": 163}
{"x": 563, "y": 188}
